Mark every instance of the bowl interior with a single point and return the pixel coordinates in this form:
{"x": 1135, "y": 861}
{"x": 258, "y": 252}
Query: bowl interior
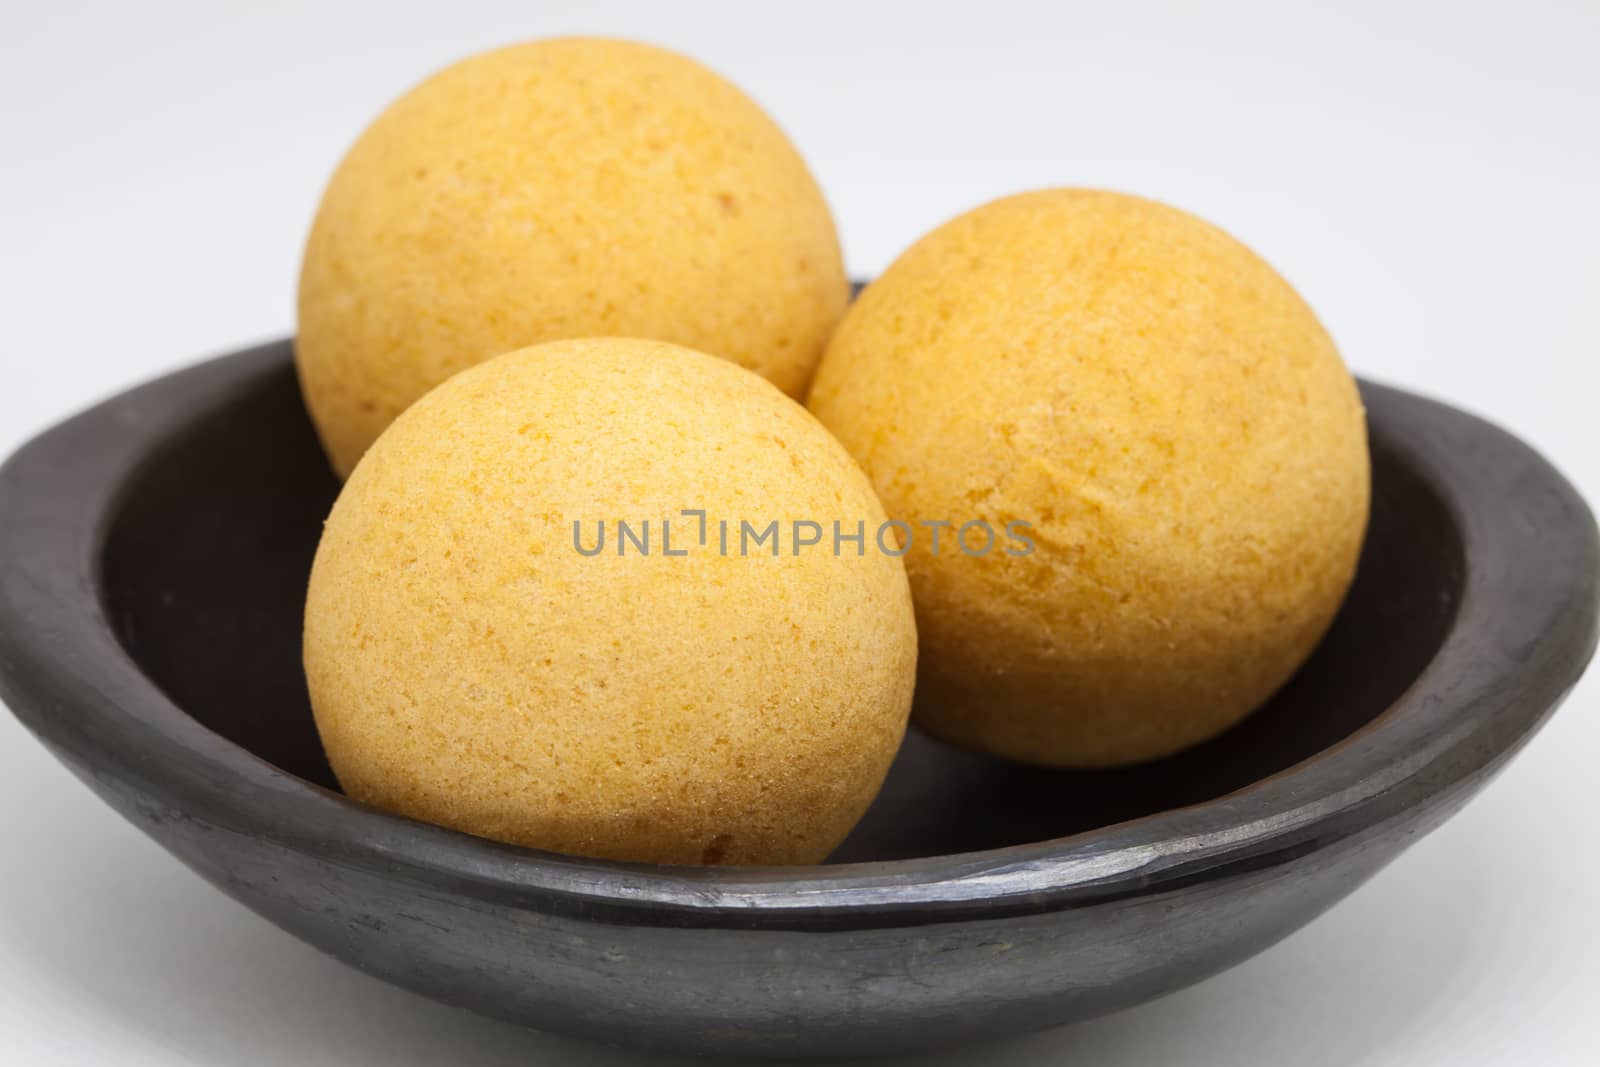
{"x": 207, "y": 552}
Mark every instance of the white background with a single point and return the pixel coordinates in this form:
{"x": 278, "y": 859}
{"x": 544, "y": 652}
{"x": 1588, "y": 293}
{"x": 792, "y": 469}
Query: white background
{"x": 1427, "y": 175}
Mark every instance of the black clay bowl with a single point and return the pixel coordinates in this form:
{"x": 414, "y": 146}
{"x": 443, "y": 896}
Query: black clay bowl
{"x": 153, "y": 556}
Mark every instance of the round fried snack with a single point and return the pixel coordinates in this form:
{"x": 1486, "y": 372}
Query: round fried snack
{"x": 1167, "y": 426}
{"x": 480, "y": 658}
{"x": 559, "y": 189}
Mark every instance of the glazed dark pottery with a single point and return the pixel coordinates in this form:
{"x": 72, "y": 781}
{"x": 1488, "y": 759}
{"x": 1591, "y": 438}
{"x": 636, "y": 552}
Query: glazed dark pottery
{"x": 153, "y": 558}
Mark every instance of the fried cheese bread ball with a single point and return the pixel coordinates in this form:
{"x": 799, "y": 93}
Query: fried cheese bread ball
{"x": 487, "y": 649}
{"x": 564, "y": 188}
{"x": 1166, "y": 424}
